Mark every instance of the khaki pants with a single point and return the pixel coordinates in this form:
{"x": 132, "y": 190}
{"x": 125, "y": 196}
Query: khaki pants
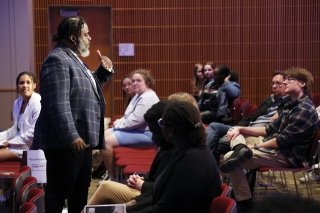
{"x": 111, "y": 192}
{"x": 259, "y": 159}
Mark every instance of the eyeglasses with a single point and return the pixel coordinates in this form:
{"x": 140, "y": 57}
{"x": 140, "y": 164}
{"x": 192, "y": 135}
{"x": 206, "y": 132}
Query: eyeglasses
{"x": 207, "y": 69}
{"x": 161, "y": 123}
{"x": 277, "y": 83}
{"x": 290, "y": 79}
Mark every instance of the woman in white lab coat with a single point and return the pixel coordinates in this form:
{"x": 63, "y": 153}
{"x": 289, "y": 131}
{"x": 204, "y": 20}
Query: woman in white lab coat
{"x": 26, "y": 109}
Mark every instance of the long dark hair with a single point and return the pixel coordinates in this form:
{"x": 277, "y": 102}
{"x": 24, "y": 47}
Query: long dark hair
{"x": 185, "y": 120}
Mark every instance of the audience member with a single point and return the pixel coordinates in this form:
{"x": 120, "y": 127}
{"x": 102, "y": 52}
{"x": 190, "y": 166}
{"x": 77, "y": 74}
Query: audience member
{"x": 132, "y": 129}
{"x": 191, "y": 178}
{"x": 198, "y": 80}
{"x": 71, "y": 122}
{"x": 282, "y": 143}
{"x": 138, "y": 192}
{"x": 127, "y": 91}
{"x": 138, "y": 188}
{"x": 266, "y": 112}
{"x": 216, "y": 97}
{"x": 26, "y": 110}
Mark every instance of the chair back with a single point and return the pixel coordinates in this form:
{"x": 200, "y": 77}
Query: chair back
{"x": 225, "y": 190}
{"x": 36, "y": 196}
{"x": 223, "y": 205}
{"x": 28, "y": 207}
{"x": 25, "y": 171}
{"x": 313, "y": 150}
{"x": 248, "y": 109}
{"x": 28, "y": 184}
{"x": 236, "y": 109}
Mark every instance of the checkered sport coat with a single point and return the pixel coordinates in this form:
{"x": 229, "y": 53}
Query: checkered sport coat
{"x": 72, "y": 106}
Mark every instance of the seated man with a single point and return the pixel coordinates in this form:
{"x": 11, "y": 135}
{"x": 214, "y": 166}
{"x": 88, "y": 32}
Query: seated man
{"x": 282, "y": 143}
{"x": 216, "y": 139}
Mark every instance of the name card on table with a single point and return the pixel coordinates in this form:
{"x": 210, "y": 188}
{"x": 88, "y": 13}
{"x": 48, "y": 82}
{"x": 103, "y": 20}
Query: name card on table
{"x": 38, "y": 164}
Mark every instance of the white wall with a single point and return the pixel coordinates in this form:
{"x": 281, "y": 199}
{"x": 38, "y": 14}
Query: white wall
{"x": 16, "y": 51}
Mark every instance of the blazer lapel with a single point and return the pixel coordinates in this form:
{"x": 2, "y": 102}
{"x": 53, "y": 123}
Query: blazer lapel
{"x": 84, "y": 70}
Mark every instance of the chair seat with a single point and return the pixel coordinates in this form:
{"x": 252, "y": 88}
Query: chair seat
{"x": 140, "y": 169}
{"x": 135, "y": 161}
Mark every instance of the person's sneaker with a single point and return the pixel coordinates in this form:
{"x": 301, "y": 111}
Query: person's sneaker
{"x": 312, "y": 176}
{"x": 236, "y": 158}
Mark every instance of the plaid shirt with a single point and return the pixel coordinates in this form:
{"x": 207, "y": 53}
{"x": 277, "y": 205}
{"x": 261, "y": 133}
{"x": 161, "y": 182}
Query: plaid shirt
{"x": 294, "y": 129}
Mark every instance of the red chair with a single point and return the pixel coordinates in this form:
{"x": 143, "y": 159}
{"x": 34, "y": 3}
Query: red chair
{"x": 28, "y": 184}
{"x": 25, "y": 171}
{"x": 36, "y": 196}
{"x": 140, "y": 157}
{"x": 248, "y": 109}
{"x": 140, "y": 169}
{"x": 236, "y": 111}
{"x": 223, "y": 205}
{"x": 28, "y": 207}
{"x": 271, "y": 178}
{"x": 225, "y": 190}
{"x": 126, "y": 149}
{"x": 316, "y": 99}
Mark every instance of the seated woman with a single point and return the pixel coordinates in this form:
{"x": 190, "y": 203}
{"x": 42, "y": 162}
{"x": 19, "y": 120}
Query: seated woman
{"x": 127, "y": 91}
{"x": 131, "y": 129}
{"x": 191, "y": 179}
{"x": 26, "y": 109}
{"x": 138, "y": 191}
{"x": 198, "y": 80}
{"x": 114, "y": 192}
{"x": 216, "y": 98}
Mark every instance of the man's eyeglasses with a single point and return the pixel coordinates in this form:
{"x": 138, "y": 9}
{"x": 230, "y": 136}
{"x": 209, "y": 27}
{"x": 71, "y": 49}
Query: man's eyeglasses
{"x": 277, "y": 83}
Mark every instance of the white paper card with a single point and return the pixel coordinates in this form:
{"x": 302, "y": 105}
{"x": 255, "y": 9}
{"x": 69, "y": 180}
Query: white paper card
{"x": 109, "y": 208}
{"x": 38, "y": 164}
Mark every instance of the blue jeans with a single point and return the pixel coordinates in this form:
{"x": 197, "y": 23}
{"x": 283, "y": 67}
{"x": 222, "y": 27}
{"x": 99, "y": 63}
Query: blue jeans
{"x": 215, "y": 140}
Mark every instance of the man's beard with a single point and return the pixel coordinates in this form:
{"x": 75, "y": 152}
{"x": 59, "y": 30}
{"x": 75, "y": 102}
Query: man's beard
{"x": 83, "y": 50}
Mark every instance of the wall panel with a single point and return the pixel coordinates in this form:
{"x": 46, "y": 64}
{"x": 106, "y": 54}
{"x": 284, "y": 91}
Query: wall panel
{"x": 253, "y": 37}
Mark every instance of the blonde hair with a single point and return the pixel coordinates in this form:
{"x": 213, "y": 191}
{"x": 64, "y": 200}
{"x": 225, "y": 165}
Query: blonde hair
{"x": 183, "y": 96}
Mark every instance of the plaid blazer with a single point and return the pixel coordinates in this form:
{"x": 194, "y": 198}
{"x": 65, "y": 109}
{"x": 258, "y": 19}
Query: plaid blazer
{"x": 72, "y": 106}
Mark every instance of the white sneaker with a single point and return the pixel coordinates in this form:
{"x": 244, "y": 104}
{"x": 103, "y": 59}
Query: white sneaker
{"x": 311, "y": 176}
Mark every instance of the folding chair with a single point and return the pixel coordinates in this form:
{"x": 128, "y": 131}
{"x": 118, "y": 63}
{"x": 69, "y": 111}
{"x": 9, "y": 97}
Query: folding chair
{"x": 223, "y": 205}
{"x": 313, "y": 152}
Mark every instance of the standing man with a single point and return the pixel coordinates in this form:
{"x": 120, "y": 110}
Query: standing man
{"x": 70, "y": 124}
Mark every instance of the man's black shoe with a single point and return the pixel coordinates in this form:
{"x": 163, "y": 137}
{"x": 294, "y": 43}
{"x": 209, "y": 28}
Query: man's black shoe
{"x": 236, "y": 158}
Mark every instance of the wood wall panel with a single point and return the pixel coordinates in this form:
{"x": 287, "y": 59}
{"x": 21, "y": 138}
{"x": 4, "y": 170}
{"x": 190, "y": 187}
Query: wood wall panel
{"x": 252, "y": 37}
